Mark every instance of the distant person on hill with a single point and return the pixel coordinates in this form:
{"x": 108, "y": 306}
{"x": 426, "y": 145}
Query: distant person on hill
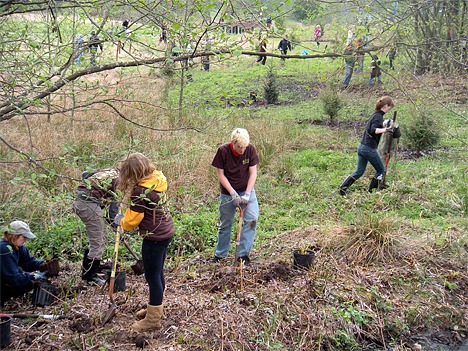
{"x": 367, "y": 150}
{"x": 205, "y": 60}
{"x": 125, "y": 27}
{"x": 350, "y": 37}
{"x": 376, "y": 71}
{"x": 317, "y": 34}
{"x": 359, "y": 55}
{"x": 269, "y": 21}
{"x": 391, "y": 56}
{"x": 284, "y": 45}
{"x": 236, "y": 168}
{"x": 79, "y": 41}
{"x": 262, "y": 47}
{"x": 18, "y": 269}
{"x": 163, "y": 36}
{"x": 350, "y": 60}
{"x": 94, "y": 44}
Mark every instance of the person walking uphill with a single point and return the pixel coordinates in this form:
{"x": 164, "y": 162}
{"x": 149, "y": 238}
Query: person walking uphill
{"x": 145, "y": 188}
{"x": 262, "y": 47}
{"x": 94, "y": 197}
{"x": 367, "y": 150}
{"x": 18, "y": 267}
{"x": 350, "y": 60}
{"x": 236, "y": 168}
{"x": 94, "y": 44}
{"x": 284, "y": 45}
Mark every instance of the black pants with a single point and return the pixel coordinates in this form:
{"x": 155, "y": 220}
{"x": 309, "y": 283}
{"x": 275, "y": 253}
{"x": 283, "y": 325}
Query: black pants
{"x": 8, "y": 291}
{"x": 154, "y": 254}
{"x": 262, "y": 59}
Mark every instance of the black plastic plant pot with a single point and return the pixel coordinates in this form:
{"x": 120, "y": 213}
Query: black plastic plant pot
{"x": 120, "y": 278}
{"x": 43, "y": 294}
{"x": 303, "y": 259}
{"x": 5, "y": 331}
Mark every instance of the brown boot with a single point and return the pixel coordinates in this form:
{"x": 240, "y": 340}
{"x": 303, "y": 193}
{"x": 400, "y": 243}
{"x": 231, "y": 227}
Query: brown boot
{"x": 141, "y": 314}
{"x": 152, "y": 320}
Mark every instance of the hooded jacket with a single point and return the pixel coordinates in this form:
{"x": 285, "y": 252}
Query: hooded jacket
{"x": 148, "y": 210}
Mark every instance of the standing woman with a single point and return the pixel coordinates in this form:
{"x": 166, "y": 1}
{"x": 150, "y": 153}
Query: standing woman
{"x": 262, "y": 47}
{"x": 317, "y": 34}
{"x": 367, "y": 150}
{"x": 144, "y": 188}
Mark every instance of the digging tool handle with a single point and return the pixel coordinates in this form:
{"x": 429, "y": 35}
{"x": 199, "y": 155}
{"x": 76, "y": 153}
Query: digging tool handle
{"x": 239, "y": 230}
{"x": 387, "y": 156}
{"x": 114, "y": 263}
{"x": 43, "y": 316}
{"x": 130, "y": 250}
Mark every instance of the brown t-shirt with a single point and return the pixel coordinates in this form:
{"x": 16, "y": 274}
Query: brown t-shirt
{"x": 236, "y": 168}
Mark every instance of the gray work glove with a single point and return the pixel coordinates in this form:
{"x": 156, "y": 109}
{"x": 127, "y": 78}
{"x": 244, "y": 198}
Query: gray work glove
{"x": 245, "y": 199}
{"x": 117, "y": 219}
{"x": 39, "y": 276}
{"x": 236, "y": 199}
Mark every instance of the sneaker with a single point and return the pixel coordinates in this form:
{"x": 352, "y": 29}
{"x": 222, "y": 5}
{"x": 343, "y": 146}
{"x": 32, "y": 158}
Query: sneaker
{"x": 244, "y": 259}
{"x": 216, "y": 259}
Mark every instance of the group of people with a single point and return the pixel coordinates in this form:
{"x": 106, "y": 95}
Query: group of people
{"x": 140, "y": 189}
{"x": 94, "y": 43}
{"x": 355, "y": 56}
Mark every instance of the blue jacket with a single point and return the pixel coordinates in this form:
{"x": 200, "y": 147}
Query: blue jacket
{"x": 16, "y": 265}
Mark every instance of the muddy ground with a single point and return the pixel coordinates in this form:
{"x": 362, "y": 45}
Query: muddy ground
{"x": 219, "y": 306}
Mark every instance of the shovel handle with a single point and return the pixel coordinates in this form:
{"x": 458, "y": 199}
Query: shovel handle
{"x": 114, "y": 263}
{"x": 239, "y": 230}
{"x": 130, "y": 249}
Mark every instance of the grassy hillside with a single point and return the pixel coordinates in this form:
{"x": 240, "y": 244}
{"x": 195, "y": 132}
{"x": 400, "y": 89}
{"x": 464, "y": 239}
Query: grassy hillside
{"x": 392, "y": 265}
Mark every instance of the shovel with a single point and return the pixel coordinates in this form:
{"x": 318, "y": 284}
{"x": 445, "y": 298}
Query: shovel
{"x": 43, "y": 316}
{"x": 239, "y": 230}
{"x": 110, "y": 313}
{"x": 138, "y": 268}
{"x": 387, "y": 155}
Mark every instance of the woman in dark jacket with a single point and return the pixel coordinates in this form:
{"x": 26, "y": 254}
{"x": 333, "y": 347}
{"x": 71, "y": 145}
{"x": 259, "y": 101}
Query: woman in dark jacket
{"x": 367, "y": 150}
{"x": 18, "y": 266}
{"x": 145, "y": 188}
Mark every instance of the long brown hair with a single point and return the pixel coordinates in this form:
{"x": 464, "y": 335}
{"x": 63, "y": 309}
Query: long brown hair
{"x": 133, "y": 170}
{"x": 384, "y": 100}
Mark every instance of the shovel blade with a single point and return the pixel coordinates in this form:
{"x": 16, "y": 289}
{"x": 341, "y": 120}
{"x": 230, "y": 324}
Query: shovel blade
{"x": 109, "y": 314}
{"x": 138, "y": 268}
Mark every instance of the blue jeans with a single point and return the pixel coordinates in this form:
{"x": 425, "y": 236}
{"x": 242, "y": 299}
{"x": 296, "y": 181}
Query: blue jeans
{"x": 371, "y": 80}
{"x": 367, "y": 154}
{"x": 227, "y": 211}
{"x": 348, "y": 73}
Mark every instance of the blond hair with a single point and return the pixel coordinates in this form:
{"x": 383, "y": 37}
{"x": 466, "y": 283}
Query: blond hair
{"x": 240, "y": 137}
{"x": 133, "y": 170}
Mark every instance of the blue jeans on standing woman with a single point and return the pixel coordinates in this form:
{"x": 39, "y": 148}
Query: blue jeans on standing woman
{"x": 368, "y": 154}
{"x": 153, "y": 254}
{"x": 349, "y": 67}
{"x": 227, "y": 211}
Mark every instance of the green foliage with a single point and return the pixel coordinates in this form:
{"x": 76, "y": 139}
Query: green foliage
{"x": 58, "y": 237}
{"x": 270, "y": 86}
{"x": 422, "y": 132}
{"x": 195, "y": 231}
{"x": 332, "y": 103}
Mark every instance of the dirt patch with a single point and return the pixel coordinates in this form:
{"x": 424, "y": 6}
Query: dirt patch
{"x": 212, "y": 306}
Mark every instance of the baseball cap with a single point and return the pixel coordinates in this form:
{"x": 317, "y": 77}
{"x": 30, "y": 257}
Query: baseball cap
{"x": 20, "y": 228}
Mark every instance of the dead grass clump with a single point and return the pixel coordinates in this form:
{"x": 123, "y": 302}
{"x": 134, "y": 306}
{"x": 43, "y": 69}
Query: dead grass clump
{"x": 372, "y": 239}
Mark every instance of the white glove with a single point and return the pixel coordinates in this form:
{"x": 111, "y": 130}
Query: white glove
{"x": 236, "y": 199}
{"x": 117, "y": 219}
{"x": 245, "y": 199}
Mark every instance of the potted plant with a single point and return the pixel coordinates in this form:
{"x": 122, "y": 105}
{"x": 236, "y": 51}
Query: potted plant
{"x": 304, "y": 256}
